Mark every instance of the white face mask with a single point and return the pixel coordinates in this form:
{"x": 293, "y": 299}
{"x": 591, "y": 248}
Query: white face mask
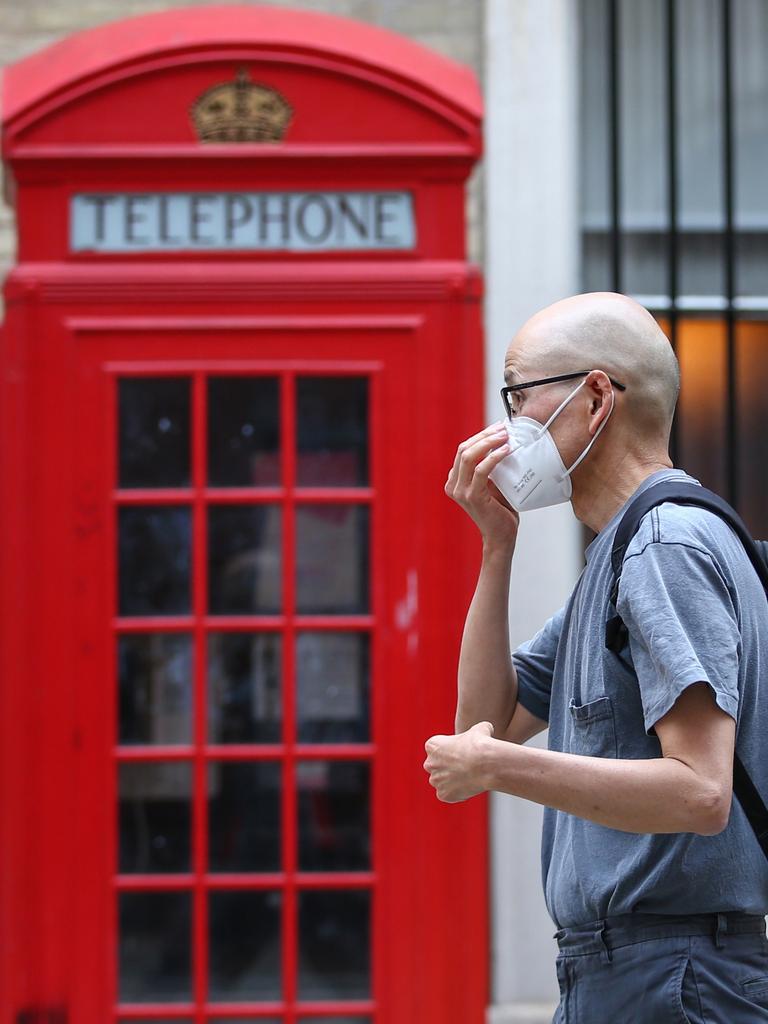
{"x": 533, "y": 474}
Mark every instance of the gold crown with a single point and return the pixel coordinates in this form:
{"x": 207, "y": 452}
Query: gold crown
{"x": 241, "y": 111}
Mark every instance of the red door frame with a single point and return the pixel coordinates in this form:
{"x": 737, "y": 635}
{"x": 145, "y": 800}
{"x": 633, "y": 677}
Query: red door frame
{"x": 100, "y": 400}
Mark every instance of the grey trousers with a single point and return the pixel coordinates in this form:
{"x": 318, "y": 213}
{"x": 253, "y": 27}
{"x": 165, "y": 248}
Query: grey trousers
{"x": 659, "y": 969}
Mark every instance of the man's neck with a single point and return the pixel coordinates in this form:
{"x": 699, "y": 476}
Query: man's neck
{"x": 608, "y": 492}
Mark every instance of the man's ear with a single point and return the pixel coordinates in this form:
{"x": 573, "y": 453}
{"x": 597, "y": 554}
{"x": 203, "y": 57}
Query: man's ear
{"x": 596, "y": 403}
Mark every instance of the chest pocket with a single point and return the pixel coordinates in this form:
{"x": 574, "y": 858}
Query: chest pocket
{"x": 593, "y": 729}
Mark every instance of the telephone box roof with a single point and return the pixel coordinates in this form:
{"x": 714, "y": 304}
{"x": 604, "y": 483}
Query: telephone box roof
{"x": 81, "y": 61}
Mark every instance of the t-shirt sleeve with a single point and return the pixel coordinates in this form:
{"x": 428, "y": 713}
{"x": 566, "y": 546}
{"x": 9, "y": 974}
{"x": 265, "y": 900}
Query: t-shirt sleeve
{"x": 682, "y": 626}
{"x": 534, "y": 663}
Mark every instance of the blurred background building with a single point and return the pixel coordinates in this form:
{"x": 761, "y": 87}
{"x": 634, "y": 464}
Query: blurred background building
{"x": 626, "y": 143}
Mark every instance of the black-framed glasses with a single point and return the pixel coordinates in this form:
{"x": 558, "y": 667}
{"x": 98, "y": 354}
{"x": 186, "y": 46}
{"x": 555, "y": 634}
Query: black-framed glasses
{"x": 506, "y": 391}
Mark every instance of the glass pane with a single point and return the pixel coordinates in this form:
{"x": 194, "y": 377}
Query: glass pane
{"x": 244, "y": 816}
{"x": 244, "y": 695}
{"x": 332, "y": 558}
{"x": 701, "y": 408}
{"x": 244, "y": 563}
{"x": 752, "y": 427}
{"x": 332, "y": 684}
{"x": 155, "y": 558}
{"x": 643, "y": 146}
{"x": 154, "y": 816}
{"x": 155, "y": 675}
{"x": 334, "y": 944}
{"x": 750, "y": 86}
{"x": 701, "y": 264}
{"x": 594, "y": 187}
{"x": 154, "y": 946}
{"x": 699, "y": 147}
{"x": 698, "y": 142}
{"x": 332, "y": 429}
{"x": 334, "y": 815}
{"x": 154, "y": 432}
{"x": 243, "y": 432}
{"x": 245, "y": 960}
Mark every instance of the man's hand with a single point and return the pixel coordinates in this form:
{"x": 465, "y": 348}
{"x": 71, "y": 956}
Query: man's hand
{"x": 456, "y": 764}
{"x": 469, "y": 486}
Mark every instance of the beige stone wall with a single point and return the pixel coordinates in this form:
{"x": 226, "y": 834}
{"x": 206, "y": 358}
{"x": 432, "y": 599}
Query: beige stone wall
{"x": 452, "y": 27}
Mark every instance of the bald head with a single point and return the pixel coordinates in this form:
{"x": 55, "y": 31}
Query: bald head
{"x": 604, "y": 331}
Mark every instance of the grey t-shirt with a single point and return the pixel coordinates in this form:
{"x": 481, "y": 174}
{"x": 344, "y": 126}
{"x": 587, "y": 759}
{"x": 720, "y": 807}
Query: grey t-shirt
{"x": 695, "y": 610}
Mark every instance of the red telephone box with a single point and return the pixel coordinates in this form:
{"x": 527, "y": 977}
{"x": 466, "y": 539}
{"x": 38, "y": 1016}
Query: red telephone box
{"x": 241, "y": 343}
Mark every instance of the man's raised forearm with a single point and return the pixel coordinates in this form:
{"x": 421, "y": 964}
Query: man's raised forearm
{"x": 487, "y": 682}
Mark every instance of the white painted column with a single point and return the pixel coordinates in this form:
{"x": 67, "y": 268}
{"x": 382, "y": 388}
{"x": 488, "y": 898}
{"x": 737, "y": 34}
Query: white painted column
{"x": 531, "y": 225}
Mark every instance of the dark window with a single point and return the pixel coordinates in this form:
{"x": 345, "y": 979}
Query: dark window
{"x": 675, "y": 211}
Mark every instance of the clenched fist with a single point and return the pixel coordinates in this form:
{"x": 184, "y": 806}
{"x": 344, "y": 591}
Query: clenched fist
{"x": 457, "y": 764}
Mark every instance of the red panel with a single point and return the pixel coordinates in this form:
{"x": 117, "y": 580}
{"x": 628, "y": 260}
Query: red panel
{"x": 108, "y": 110}
{"x": 82, "y": 61}
{"x": 43, "y": 211}
{"x": 329, "y": 101}
{"x": 430, "y": 868}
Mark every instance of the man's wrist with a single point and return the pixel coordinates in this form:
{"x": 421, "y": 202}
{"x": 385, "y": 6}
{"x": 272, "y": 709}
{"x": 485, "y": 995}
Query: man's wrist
{"x": 487, "y": 760}
{"x": 496, "y": 551}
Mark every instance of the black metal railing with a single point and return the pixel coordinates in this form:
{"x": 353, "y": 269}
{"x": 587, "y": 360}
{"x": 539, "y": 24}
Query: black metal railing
{"x": 608, "y": 235}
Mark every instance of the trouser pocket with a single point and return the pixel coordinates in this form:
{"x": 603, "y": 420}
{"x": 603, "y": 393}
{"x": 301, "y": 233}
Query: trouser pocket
{"x": 687, "y": 996}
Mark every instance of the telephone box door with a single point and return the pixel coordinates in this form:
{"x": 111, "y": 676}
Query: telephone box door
{"x": 236, "y": 572}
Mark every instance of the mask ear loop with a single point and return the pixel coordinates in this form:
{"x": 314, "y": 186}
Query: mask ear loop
{"x": 597, "y": 434}
{"x": 560, "y": 408}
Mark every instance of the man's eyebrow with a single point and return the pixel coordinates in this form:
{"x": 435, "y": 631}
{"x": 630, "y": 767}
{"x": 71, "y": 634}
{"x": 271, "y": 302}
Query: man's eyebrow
{"x": 509, "y": 377}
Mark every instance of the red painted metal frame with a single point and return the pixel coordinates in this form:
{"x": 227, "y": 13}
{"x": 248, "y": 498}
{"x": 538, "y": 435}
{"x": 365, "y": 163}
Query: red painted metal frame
{"x": 81, "y": 63}
{"x": 75, "y": 323}
{"x": 431, "y": 866}
{"x": 398, "y": 455}
{"x": 290, "y": 880}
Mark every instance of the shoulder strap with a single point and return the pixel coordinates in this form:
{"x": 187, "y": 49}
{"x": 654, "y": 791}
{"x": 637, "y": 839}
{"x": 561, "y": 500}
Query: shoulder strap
{"x": 751, "y": 802}
{"x": 683, "y": 493}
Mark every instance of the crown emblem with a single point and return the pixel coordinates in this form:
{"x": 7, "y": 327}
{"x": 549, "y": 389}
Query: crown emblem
{"x": 241, "y": 111}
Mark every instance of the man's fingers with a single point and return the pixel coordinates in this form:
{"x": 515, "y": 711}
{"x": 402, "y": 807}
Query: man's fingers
{"x": 474, "y": 454}
{"x": 494, "y": 428}
{"x": 480, "y": 460}
{"x": 484, "y": 467}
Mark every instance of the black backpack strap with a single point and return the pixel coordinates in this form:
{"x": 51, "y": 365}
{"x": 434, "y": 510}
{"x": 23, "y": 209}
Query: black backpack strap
{"x": 751, "y": 803}
{"x": 683, "y": 493}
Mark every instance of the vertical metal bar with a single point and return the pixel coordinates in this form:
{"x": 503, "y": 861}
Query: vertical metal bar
{"x": 200, "y": 896}
{"x": 289, "y": 816}
{"x": 614, "y": 141}
{"x": 728, "y": 255}
{"x": 111, "y": 455}
{"x": 672, "y": 236}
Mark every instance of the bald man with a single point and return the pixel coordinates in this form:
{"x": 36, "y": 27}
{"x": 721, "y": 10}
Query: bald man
{"x": 652, "y": 874}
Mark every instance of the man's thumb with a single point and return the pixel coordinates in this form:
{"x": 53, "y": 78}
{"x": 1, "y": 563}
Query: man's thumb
{"x": 489, "y": 725}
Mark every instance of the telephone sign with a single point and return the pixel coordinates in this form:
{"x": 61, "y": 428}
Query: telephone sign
{"x": 292, "y": 221}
